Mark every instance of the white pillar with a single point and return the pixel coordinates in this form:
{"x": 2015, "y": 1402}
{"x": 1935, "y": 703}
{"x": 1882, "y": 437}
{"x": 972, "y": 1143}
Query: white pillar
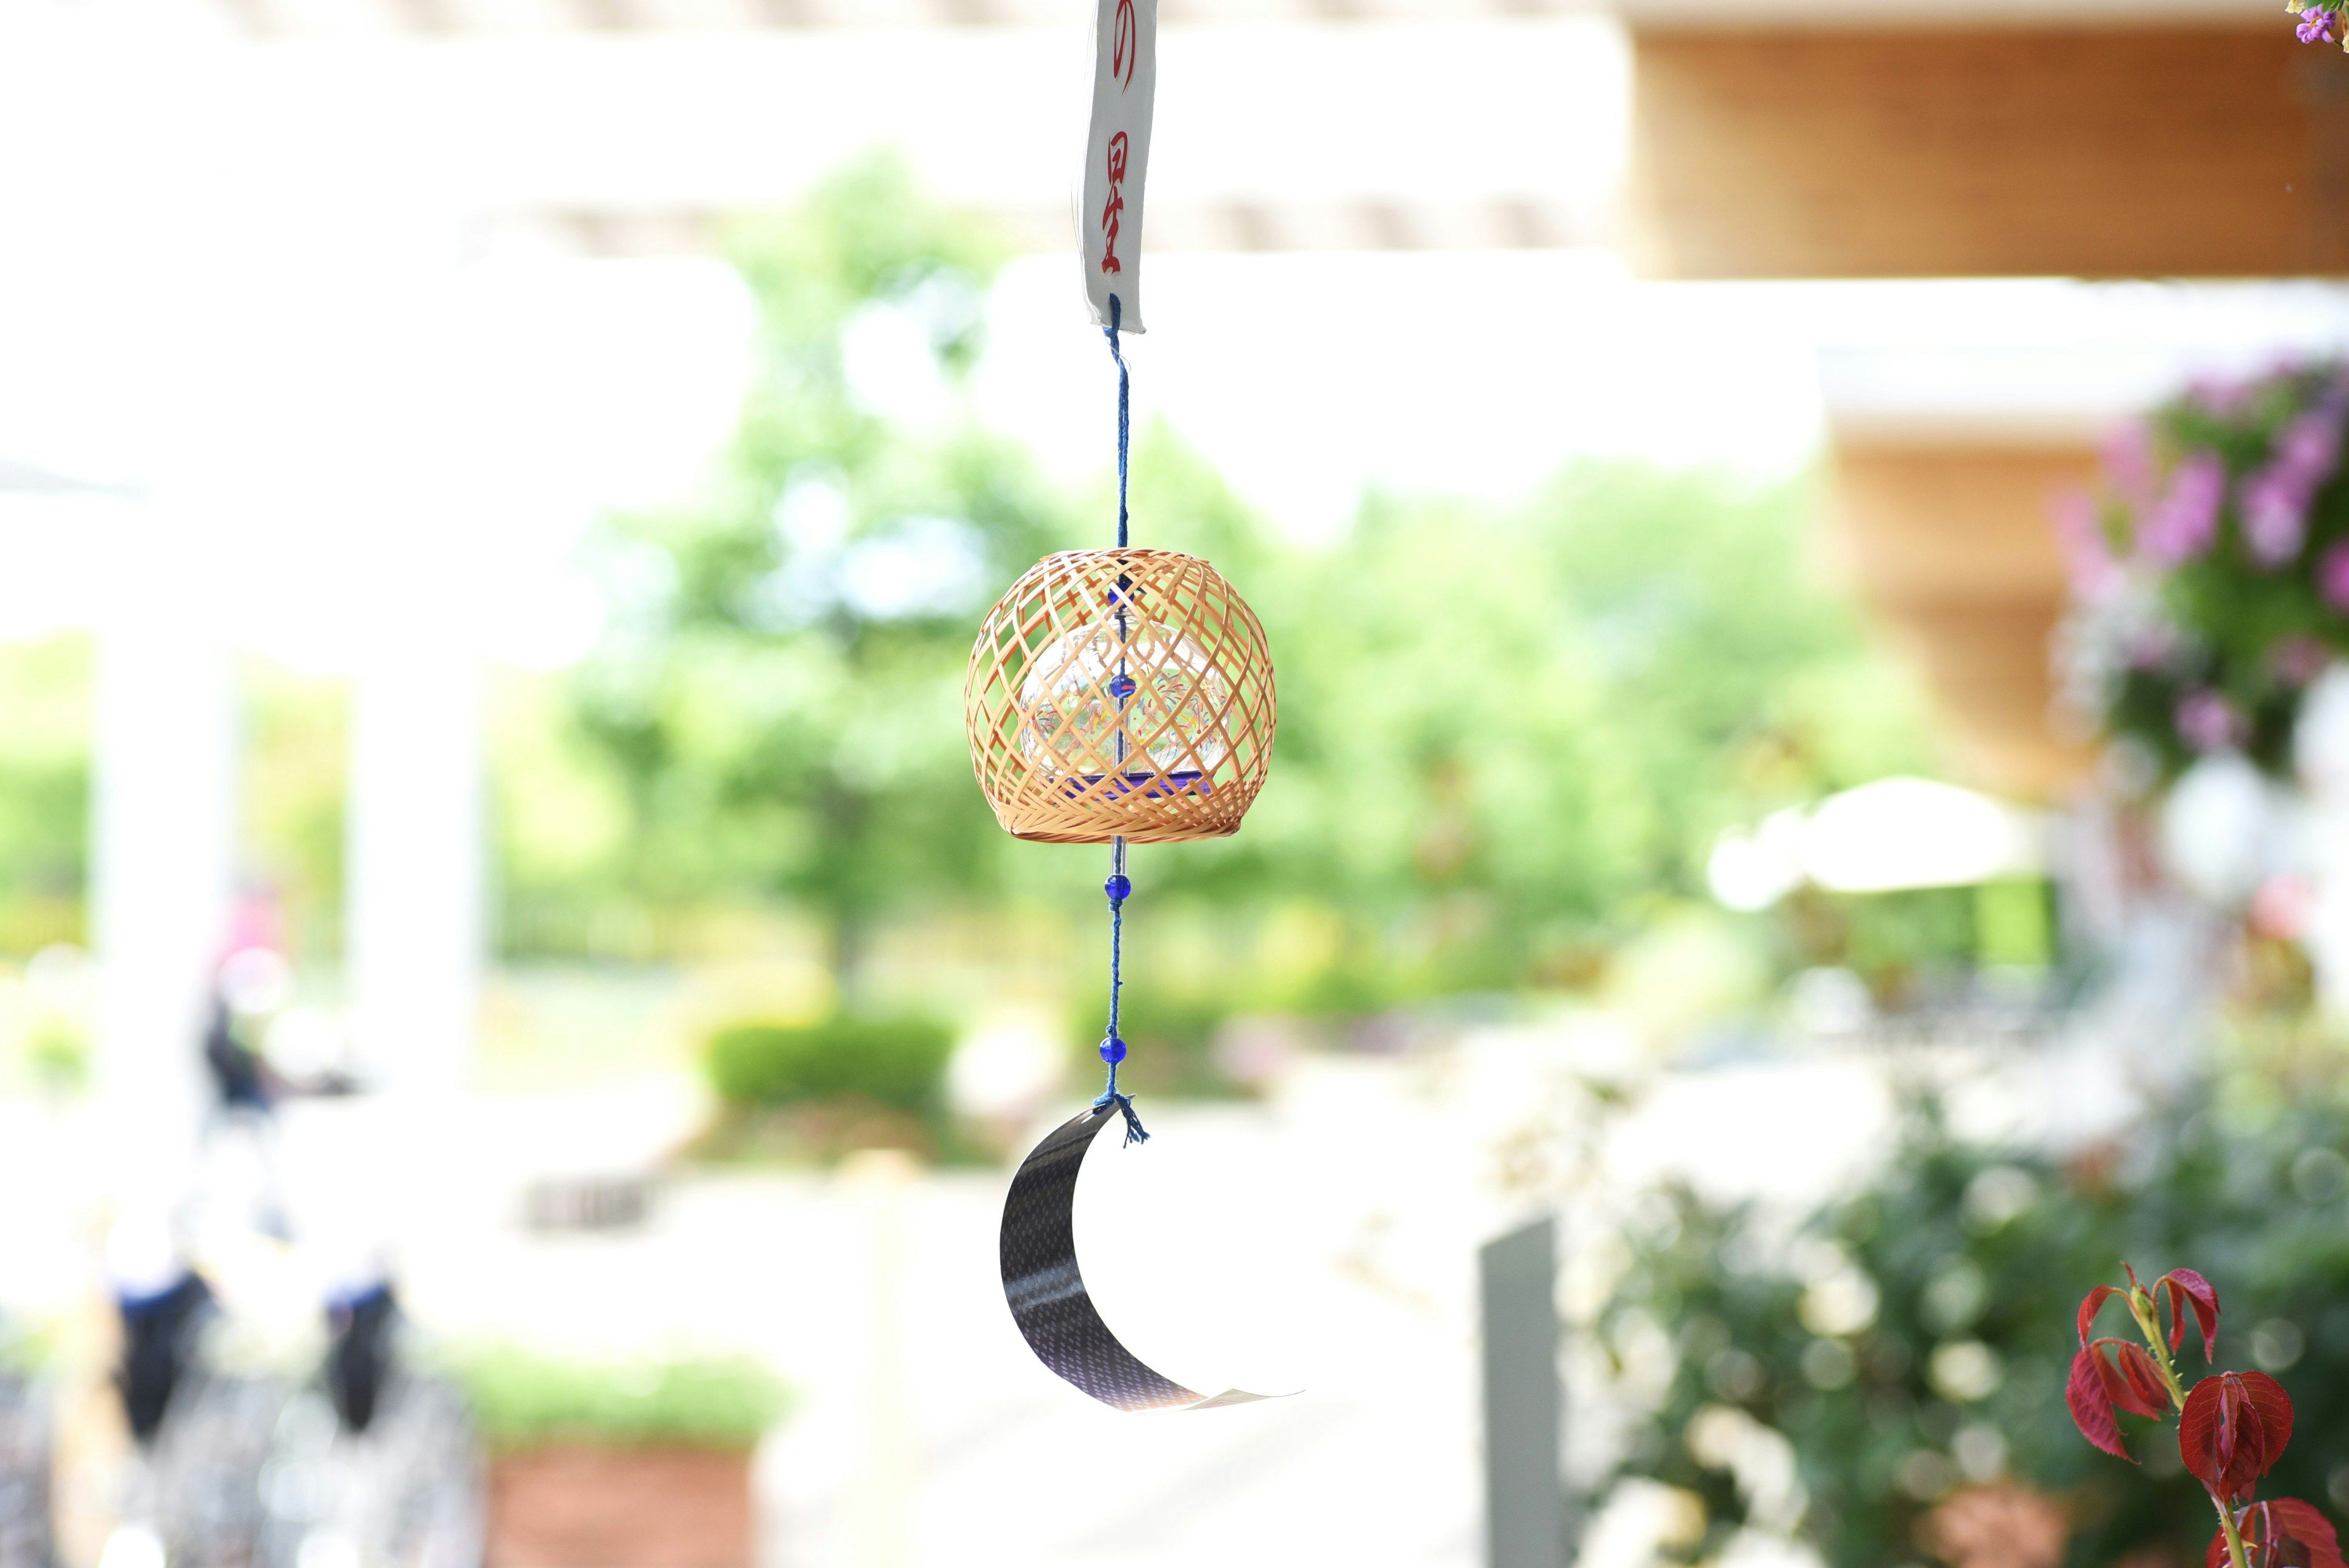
{"x": 413, "y": 918}
{"x": 162, "y": 843}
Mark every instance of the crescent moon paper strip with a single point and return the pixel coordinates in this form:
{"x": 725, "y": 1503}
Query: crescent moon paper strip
{"x": 1047, "y": 1292}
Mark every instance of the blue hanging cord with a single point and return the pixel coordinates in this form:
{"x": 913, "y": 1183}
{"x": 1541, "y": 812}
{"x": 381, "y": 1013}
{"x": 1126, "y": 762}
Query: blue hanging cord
{"x": 1118, "y": 886}
{"x": 1112, "y": 1047}
{"x": 1116, "y": 311}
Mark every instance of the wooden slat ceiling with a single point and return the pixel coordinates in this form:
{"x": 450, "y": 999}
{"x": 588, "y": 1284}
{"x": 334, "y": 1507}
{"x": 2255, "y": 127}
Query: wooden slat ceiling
{"x": 1175, "y": 227}
{"x": 2209, "y": 150}
{"x": 1949, "y": 547}
{"x": 299, "y": 18}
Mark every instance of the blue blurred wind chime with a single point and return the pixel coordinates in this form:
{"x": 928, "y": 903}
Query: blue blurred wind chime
{"x": 1120, "y": 696}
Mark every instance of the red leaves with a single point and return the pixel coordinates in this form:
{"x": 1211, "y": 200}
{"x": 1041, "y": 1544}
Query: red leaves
{"x": 2182, "y": 1290}
{"x": 2233, "y": 1429}
{"x": 2092, "y": 1405}
{"x": 2135, "y": 1386}
{"x": 2283, "y": 1534}
{"x": 2099, "y": 1387}
{"x": 2089, "y": 1304}
{"x": 2186, "y": 1288}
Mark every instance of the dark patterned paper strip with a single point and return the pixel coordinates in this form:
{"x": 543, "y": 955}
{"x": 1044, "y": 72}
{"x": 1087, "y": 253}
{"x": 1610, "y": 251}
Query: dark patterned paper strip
{"x": 1047, "y": 1291}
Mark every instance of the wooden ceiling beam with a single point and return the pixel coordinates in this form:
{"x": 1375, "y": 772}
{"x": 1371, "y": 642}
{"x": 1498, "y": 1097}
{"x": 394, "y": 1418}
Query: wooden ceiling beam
{"x": 2193, "y": 149}
{"x": 1950, "y": 547}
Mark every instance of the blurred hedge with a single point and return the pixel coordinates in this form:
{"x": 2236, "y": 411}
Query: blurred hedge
{"x": 525, "y": 1401}
{"x": 897, "y": 1063}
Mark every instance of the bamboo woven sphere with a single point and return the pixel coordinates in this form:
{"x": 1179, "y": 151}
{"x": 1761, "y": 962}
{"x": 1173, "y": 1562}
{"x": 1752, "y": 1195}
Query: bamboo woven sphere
{"x": 1066, "y": 754}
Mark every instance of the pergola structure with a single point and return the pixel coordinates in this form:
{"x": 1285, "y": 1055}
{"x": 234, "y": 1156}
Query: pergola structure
{"x": 273, "y": 18}
{"x": 2002, "y": 144}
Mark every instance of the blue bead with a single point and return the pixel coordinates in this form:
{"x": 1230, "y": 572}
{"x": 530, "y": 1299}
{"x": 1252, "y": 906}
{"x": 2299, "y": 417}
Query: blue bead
{"x": 1118, "y": 889}
{"x": 1113, "y": 1050}
{"x": 1121, "y": 688}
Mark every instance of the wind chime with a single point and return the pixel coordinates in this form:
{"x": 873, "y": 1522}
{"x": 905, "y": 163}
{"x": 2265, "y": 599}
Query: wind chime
{"x": 1120, "y": 696}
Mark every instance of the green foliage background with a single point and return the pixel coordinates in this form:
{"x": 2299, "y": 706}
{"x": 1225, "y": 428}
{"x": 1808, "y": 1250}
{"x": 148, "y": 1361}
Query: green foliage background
{"x": 2249, "y": 1183}
{"x": 45, "y": 734}
{"x": 1510, "y": 734}
{"x": 1505, "y": 734}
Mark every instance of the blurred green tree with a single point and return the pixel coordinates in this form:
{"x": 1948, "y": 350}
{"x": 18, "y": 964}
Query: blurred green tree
{"x": 781, "y": 690}
{"x": 1504, "y": 733}
{"x": 46, "y": 707}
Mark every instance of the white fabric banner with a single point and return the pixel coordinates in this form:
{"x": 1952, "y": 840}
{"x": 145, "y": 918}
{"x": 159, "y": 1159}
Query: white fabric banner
{"x": 1117, "y": 156}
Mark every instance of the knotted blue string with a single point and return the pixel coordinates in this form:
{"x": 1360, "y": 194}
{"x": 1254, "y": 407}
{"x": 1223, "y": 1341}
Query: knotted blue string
{"x": 1118, "y": 886}
{"x": 1112, "y": 1048}
{"x": 1109, "y": 332}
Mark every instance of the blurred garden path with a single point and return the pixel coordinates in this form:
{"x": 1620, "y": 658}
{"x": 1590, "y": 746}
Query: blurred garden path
{"x": 1322, "y": 1240}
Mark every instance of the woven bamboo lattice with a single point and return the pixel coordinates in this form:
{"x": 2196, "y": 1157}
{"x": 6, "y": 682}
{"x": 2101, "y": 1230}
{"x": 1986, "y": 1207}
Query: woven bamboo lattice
{"x": 1068, "y": 752}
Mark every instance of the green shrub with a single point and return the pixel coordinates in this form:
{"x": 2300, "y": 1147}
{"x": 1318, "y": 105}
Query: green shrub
{"x": 899, "y": 1063}
{"x": 524, "y": 1400}
{"x": 1958, "y": 1244}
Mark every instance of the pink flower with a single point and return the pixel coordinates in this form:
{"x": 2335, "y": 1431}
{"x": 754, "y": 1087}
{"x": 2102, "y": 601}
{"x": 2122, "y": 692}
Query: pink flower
{"x": 2080, "y": 535}
{"x": 2128, "y": 464}
{"x": 2182, "y": 526}
{"x": 2149, "y": 644}
{"x": 2333, "y": 577}
{"x": 2297, "y": 660}
{"x": 2282, "y": 907}
{"x": 2311, "y": 443}
{"x": 2275, "y": 516}
{"x": 2275, "y": 500}
{"x": 2220, "y": 398}
{"x": 2208, "y": 721}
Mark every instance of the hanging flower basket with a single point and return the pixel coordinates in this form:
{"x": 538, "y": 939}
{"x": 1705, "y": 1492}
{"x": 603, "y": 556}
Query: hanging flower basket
{"x": 2210, "y": 577}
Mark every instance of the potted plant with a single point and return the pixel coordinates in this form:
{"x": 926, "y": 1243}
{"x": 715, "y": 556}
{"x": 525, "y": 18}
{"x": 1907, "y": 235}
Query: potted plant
{"x": 595, "y": 1464}
{"x": 2209, "y": 643}
{"x": 2211, "y": 576}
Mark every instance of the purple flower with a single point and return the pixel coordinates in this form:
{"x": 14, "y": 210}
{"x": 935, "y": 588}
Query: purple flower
{"x": 2080, "y": 535}
{"x": 2128, "y": 464}
{"x": 2275, "y": 516}
{"x": 2219, "y": 397}
{"x": 2298, "y": 660}
{"x": 2333, "y": 577}
{"x": 2316, "y": 25}
{"x": 2310, "y": 445}
{"x": 2208, "y": 721}
{"x": 2149, "y": 644}
{"x": 2275, "y": 500}
{"x": 2187, "y": 519}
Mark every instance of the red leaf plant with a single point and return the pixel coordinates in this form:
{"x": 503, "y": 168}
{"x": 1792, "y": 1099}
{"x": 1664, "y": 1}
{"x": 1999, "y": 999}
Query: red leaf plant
{"x": 2233, "y": 1426}
{"x": 2285, "y": 1533}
